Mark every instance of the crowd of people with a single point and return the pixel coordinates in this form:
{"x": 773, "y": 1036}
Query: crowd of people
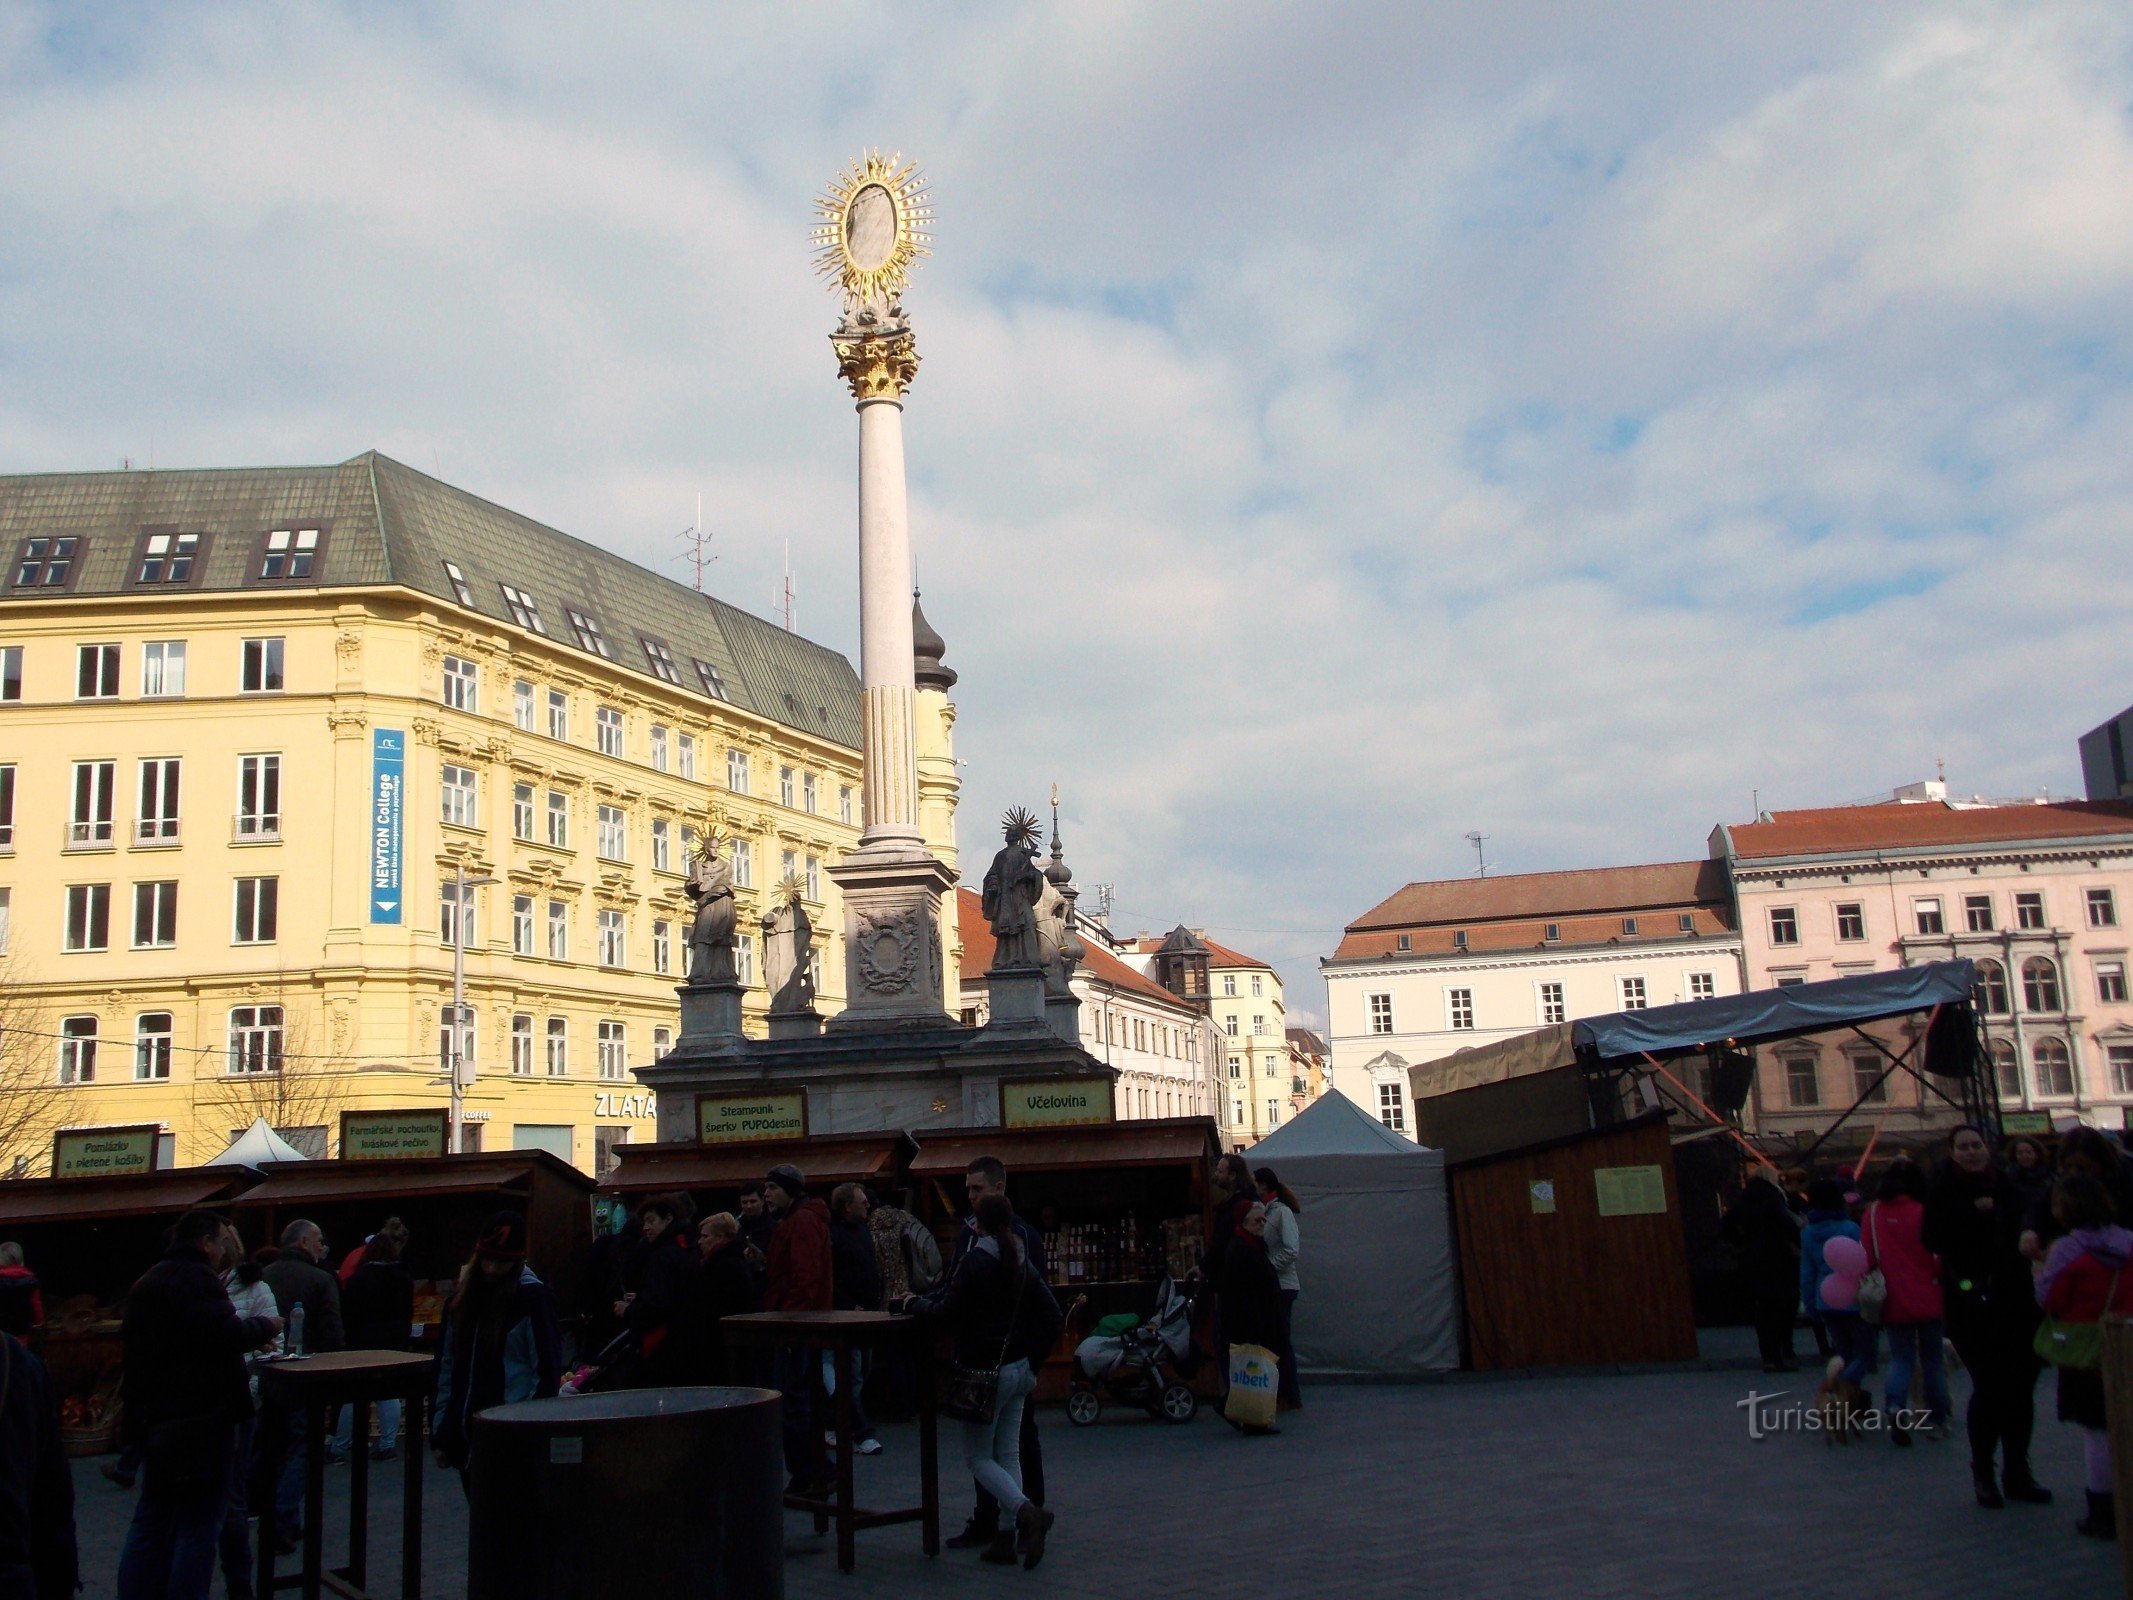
{"x": 2010, "y": 1259}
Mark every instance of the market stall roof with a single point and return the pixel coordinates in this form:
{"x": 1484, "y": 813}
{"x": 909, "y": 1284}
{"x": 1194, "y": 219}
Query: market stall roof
{"x": 1156, "y": 1142}
{"x": 1332, "y": 1125}
{"x": 830, "y": 1158}
{"x": 258, "y": 1146}
{"x": 35, "y": 1200}
{"x": 1762, "y": 1015}
{"x": 322, "y": 1182}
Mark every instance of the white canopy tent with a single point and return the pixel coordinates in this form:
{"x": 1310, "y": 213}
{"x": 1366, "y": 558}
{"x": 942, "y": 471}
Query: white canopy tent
{"x": 258, "y": 1146}
{"x": 1379, "y": 1293}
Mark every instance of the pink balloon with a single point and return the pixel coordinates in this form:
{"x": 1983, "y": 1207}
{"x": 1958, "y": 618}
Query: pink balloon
{"x": 1847, "y": 1256}
{"x": 1839, "y": 1293}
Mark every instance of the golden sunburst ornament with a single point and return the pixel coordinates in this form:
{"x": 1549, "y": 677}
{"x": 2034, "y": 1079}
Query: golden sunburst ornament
{"x": 873, "y": 229}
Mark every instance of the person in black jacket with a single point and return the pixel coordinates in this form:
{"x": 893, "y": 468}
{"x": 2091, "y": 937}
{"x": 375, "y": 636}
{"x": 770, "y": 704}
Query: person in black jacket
{"x": 658, "y": 1313}
{"x": 987, "y": 1175}
{"x": 1766, "y": 1244}
{"x": 1000, "y": 1315}
{"x": 725, "y": 1286}
{"x": 378, "y": 1313}
{"x": 186, "y": 1393}
{"x": 1250, "y": 1290}
{"x": 1973, "y": 1222}
{"x": 38, "y": 1556}
{"x": 855, "y": 1275}
{"x": 299, "y": 1280}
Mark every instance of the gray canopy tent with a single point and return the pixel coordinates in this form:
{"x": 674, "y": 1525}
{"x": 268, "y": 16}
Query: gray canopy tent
{"x": 1379, "y": 1296}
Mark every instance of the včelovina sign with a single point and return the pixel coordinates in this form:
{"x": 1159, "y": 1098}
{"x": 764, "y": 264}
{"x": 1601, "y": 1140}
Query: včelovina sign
{"x": 1054, "y": 1103}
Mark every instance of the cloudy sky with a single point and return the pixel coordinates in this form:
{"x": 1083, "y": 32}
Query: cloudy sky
{"x": 1342, "y": 427}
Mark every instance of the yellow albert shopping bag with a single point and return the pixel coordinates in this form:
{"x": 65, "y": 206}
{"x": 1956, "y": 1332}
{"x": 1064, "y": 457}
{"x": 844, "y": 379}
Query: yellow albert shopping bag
{"x": 1252, "y": 1374}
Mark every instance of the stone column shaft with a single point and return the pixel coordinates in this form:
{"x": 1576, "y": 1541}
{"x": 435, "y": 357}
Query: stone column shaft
{"x": 885, "y": 662}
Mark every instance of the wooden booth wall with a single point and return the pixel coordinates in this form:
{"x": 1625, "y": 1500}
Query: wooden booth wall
{"x": 1570, "y": 1287}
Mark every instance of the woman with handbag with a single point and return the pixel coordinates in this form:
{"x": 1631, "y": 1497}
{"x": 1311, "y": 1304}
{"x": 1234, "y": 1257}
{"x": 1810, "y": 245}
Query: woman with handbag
{"x": 2084, "y": 1280}
{"x": 1913, "y": 1310}
{"x": 1003, "y": 1322}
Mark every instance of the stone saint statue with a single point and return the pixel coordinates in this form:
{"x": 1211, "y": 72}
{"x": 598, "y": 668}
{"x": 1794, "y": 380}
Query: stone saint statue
{"x": 713, "y": 930}
{"x": 1052, "y": 915}
{"x": 1013, "y": 886}
{"x": 788, "y": 938}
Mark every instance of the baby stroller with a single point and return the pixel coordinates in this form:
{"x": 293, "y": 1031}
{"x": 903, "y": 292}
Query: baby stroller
{"x": 1141, "y": 1366}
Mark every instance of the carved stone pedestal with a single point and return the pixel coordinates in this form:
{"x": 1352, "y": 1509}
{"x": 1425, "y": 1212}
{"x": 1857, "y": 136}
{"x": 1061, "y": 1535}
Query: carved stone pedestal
{"x": 711, "y": 1016}
{"x": 892, "y": 941}
{"x": 1015, "y": 996}
{"x": 796, "y": 1024}
{"x": 1063, "y": 1013}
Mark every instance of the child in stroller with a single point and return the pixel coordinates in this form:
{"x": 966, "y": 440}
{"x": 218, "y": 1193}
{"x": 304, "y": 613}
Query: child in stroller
{"x": 1143, "y": 1365}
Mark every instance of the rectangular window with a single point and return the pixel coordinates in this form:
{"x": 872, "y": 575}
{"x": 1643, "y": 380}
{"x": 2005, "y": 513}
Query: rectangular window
{"x": 521, "y": 1045}
{"x": 11, "y": 672}
{"x": 558, "y": 714}
{"x": 1552, "y": 1008}
{"x": 788, "y": 866}
{"x": 2111, "y": 982}
{"x": 258, "y": 908}
{"x": 1851, "y": 921}
{"x": 96, "y": 672}
{"x": 713, "y": 681}
{"x": 459, "y": 584}
{"x": 157, "y": 820}
{"x": 1229, "y": 983}
{"x": 687, "y": 742}
{"x": 465, "y": 1041}
{"x": 7, "y": 807}
{"x": 1703, "y": 986}
{"x": 558, "y": 819}
{"x": 807, "y": 792}
{"x": 2029, "y": 911}
{"x": 1977, "y": 913}
{"x": 459, "y": 796}
{"x": 785, "y": 790}
{"x": 45, "y": 563}
{"x": 661, "y": 659}
{"x": 1869, "y": 1084}
{"x": 523, "y": 611}
{"x": 93, "y": 785}
{"x": 1784, "y": 925}
{"x": 614, "y": 1050}
{"x": 744, "y": 960}
{"x": 588, "y": 631}
{"x": 1687, "y": 922}
{"x": 663, "y": 948}
{"x": 558, "y": 930}
{"x": 2120, "y": 1057}
{"x": 259, "y": 797}
{"x": 1629, "y": 927}
{"x": 844, "y": 804}
{"x": 453, "y": 930}
{"x": 1460, "y": 1007}
{"x": 522, "y": 924}
{"x": 155, "y": 916}
{"x": 1403, "y": 942}
{"x": 1927, "y": 914}
{"x": 1392, "y": 1107}
{"x": 1633, "y": 997}
{"x": 607, "y": 730}
{"x": 522, "y": 705}
{"x": 558, "y": 1046}
{"x": 1380, "y": 1011}
{"x": 737, "y": 771}
{"x": 662, "y": 1043}
{"x": 289, "y": 553}
{"x": 613, "y": 833}
{"x": 814, "y": 878}
{"x": 151, "y": 1046}
{"x": 1259, "y": 1025}
{"x": 88, "y": 916}
{"x": 462, "y": 684}
{"x": 167, "y": 558}
{"x": 1257, "y": 987}
{"x": 743, "y": 864}
{"x": 163, "y": 669}
{"x": 662, "y": 845}
{"x": 522, "y": 811}
{"x": 255, "y": 1040}
{"x": 259, "y": 670}
{"x": 659, "y": 747}
{"x": 2102, "y": 908}
{"x": 77, "y": 1050}
{"x": 1801, "y": 1086}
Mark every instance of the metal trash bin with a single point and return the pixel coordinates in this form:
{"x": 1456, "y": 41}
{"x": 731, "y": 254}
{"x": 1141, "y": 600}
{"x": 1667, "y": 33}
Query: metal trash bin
{"x": 669, "y": 1492}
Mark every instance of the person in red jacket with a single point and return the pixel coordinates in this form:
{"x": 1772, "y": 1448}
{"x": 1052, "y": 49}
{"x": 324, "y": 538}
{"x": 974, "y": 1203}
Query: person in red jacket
{"x": 1893, "y": 1232}
{"x": 800, "y": 1278}
{"x": 2084, "y": 1278}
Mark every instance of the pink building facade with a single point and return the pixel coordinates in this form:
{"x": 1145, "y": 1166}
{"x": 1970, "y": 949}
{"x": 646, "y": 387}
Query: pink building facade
{"x": 2040, "y": 896}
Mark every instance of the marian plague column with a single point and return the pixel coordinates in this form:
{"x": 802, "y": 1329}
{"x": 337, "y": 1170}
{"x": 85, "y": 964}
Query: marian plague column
{"x": 872, "y": 232}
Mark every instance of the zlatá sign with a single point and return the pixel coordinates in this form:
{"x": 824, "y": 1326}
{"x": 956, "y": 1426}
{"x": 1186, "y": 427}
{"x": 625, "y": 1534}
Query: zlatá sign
{"x": 104, "y": 1152}
{"x": 748, "y": 1119}
{"x": 1057, "y": 1103}
{"x": 394, "y": 1135}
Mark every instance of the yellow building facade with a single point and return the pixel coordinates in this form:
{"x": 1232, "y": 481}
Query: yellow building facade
{"x": 1245, "y": 995}
{"x": 234, "y": 802}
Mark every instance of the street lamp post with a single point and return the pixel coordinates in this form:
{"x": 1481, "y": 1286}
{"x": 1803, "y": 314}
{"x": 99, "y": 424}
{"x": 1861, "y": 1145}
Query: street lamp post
{"x": 455, "y": 1055}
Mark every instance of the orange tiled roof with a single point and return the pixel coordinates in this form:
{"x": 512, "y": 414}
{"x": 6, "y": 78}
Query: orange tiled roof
{"x": 1221, "y": 955}
{"x": 1893, "y": 826}
{"x": 1099, "y": 963}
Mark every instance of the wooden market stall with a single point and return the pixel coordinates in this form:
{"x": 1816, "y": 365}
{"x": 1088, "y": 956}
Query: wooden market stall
{"x": 1571, "y": 1252}
{"x": 87, "y": 1240}
{"x": 711, "y": 1174}
{"x": 443, "y": 1200}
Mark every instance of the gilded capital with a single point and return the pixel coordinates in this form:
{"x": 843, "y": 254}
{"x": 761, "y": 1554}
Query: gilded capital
{"x": 879, "y": 363}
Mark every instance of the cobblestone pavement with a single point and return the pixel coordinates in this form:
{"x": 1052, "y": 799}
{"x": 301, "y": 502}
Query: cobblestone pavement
{"x": 1593, "y": 1487}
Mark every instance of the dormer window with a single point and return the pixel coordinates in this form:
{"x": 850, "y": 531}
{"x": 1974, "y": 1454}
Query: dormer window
{"x": 45, "y": 563}
{"x": 1552, "y": 931}
{"x": 661, "y": 658}
{"x": 1629, "y": 927}
{"x": 1688, "y": 922}
{"x": 523, "y": 611}
{"x": 1403, "y": 942}
{"x": 289, "y": 553}
{"x": 714, "y": 684}
{"x": 166, "y": 557}
{"x": 1459, "y": 938}
{"x": 459, "y": 584}
{"x": 588, "y": 631}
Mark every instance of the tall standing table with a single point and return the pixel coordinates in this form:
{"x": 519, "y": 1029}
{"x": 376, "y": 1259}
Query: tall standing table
{"x": 314, "y": 1385}
{"x": 840, "y": 1333}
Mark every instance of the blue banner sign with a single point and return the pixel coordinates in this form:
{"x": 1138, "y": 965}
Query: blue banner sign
{"x": 388, "y": 783}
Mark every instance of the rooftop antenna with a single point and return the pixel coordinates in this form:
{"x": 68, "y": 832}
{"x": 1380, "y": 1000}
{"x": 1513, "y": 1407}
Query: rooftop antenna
{"x": 787, "y": 589}
{"x": 698, "y": 539}
{"x": 1481, "y": 856}
{"x": 1105, "y": 893}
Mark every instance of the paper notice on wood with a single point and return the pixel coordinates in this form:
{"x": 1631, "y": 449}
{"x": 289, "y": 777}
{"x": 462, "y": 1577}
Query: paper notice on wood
{"x": 1543, "y": 1192}
{"x": 1630, "y": 1191}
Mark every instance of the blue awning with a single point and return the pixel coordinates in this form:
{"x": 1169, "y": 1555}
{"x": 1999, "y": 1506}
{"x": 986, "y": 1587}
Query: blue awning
{"x": 1766, "y": 1014}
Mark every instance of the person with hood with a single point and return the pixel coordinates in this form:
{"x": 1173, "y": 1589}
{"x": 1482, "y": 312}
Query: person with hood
{"x": 1893, "y": 1230}
{"x": 658, "y": 1313}
{"x": 186, "y": 1394}
{"x": 855, "y": 1273}
{"x": 2084, "y": 1281}
{"x": 1766, "y": 1244}
{"x": 1973, "y": 1221}
{"x": 1828, "y": 1217}
{"x": 39, "y": 1558}
{"x": 800, "y": 1276}
{"x": 1250, "y": 1290}
{"x": 377, "y": 1313}
{"x": 500, "y": 1343}
{"x": 1283, "y": 1241}
{"x": 724, "y": 1286}
{"x": 21, "y": 1300}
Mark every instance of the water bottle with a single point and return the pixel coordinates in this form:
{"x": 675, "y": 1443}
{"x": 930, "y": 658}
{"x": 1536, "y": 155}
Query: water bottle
{"x": 295, "y": 1342}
